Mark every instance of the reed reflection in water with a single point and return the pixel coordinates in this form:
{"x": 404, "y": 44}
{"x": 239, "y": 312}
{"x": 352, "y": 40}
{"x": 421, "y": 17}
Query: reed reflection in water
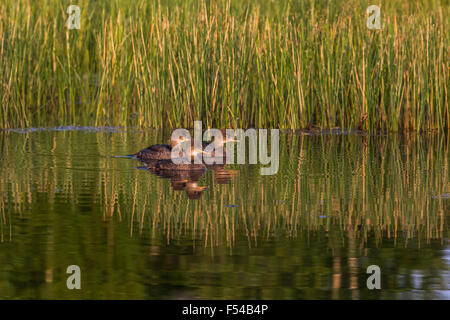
{"x": 338, "y": 204}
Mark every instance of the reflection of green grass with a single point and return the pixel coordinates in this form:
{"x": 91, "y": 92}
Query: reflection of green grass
{"x": 385, "y": 188}
{"x": 246, "y": 63}
{"x": 63, "y": 202}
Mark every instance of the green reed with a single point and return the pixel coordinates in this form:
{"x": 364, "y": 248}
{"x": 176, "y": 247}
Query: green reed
{"x": 286, "y": 64}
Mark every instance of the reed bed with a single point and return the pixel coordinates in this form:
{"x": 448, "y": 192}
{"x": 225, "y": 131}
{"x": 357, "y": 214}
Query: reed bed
{"x": 286, "y": 64}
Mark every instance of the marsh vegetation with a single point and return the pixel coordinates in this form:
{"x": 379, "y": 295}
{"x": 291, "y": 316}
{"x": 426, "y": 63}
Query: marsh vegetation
{"x": 286, "y": 64}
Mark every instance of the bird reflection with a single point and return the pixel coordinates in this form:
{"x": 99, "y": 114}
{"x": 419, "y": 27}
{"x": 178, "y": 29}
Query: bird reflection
{"x": 193, "y": 190}
{"x": 222, "y": 175}
{"x": 188, "y": 180}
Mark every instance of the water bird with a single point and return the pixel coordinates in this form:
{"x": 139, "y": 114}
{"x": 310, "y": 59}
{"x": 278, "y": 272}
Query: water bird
{"x": 216, "y": 144}
{"x": 159, "y": 151}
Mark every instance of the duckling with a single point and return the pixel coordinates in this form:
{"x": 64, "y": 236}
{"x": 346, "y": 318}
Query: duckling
{"x": 217, "y": 143}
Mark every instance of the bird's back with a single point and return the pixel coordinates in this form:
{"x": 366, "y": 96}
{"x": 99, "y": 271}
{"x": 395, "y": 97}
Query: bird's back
{"x": 156, "y": 151}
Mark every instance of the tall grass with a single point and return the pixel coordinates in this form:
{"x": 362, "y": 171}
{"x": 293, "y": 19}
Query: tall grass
{"x": 284, "y": 64}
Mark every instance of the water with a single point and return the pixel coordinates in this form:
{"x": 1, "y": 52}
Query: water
{"x": 338, "y": 204}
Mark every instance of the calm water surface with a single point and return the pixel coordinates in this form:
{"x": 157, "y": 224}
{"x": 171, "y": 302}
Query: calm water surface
{"x": 338, "y": 204}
